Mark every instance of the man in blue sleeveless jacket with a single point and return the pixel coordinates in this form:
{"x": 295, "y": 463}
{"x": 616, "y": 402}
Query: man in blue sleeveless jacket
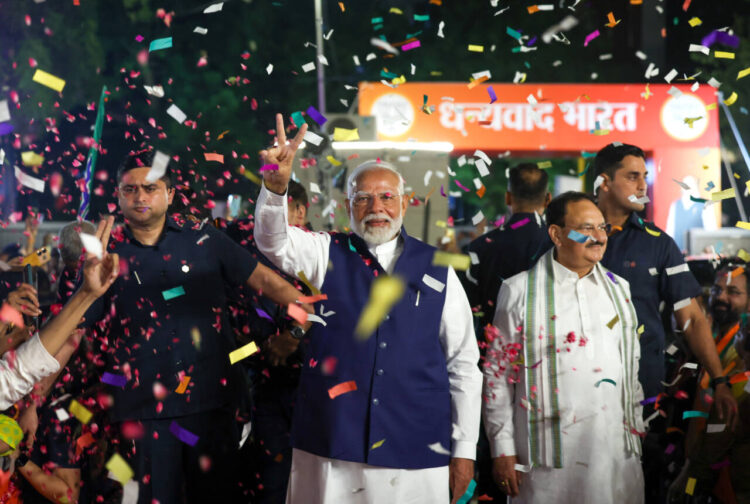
{"x": 405, "y": 428}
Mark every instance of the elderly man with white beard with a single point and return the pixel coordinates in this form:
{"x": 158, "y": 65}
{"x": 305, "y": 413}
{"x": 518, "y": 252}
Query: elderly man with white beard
{"x": 406, "y": 428}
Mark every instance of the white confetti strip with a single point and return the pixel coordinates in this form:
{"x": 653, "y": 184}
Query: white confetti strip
{"x": 28, "y": 181}
{"x": 477, "y": 218}
{"x": 671, "y": 75}
{"x": 713, "y": 428}
{"x": 200, "y": 29}
{"x": 158, "y": 167}
{"x": 438, "y": 448}
{"x": 4, "y": 111}
{"x": 433, "y": 283}
{"x": 269, "y": 68}
{"x": 213, "y": 8}
{"x": 682, "y": 268}
{"x": 177, "y": 114}
{"x": 699, "y": 48}
{"x": 308, "y": 67}
{"x": 92, "y": 244}
{"x": 312, "y": 138}
{"x": 684, "y": 303}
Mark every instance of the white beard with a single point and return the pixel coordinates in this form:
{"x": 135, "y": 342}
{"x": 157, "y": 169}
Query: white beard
{"x": 379, "y": 235}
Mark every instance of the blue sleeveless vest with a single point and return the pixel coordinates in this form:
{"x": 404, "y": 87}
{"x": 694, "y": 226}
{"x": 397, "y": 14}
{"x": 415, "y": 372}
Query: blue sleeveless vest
{"x": 402, "y": 403}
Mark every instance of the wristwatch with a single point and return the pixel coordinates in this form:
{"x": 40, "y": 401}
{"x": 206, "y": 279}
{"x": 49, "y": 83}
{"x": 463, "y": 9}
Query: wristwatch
{"x": 297, "y": 332}
{"x": 714, "y": 382}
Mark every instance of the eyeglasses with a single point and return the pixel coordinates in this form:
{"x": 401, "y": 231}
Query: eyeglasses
{"x": 129, "y": 190}
{"x": 589, "y": 229}
{"x": 363, "y": 199}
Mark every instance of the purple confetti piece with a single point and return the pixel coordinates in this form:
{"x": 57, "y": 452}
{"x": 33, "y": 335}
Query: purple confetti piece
{"x": 466, "y": 189}
{"x": 316, "y": 116}
{"x": 669, "y": 449}
{"x": 719, "y": 465}
{"x": 263, "y": 314}
{"x": 269, "y": 167}
{"x": 520, "y": 223}
{"x": 442, "y": 191}
{"x": 5, "y": 128}
{"x": 183, "y": 435}
{"x": 114, "y": 379}
{"x": 612, "y": 277}
{"x": 720, "y": 37}
{"x": 493, "y": 96}
{"x": 649, "y": 400}
{"x": 531, "y": 42}
{"x": 591, "y": 36}
{"x": 411, "y": 45}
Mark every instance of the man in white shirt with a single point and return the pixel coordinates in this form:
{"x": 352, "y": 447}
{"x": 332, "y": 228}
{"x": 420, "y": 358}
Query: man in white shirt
{"x": 407, "y": 427}
{"x": 561, "y": 377}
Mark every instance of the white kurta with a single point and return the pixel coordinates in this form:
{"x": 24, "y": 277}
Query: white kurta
{"x": 31, "y": 363}
{"x": 317, "y": 479}
{"x": 596, "y": 465}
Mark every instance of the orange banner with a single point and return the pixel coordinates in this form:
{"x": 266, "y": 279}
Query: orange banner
{"x": 539, "y": 117}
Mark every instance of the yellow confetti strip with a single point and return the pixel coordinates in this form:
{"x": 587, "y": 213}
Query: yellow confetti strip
{"x": 723, "y": 54}
{"x": 722, "y": 195}
{"x": 195, "y": 334}
{"x": 386, "y": 291}
{"x": 345, "y": 135}
{"x": 651, "y": 231}
{"x": 398, "y": 80}
{"x": 303, "y": 278}
{"x": 49, "y": 80}
{"x": 544, "y": 164}
{"x": 693, "y": 22}
{"x": 743, "y": 225}
{"x": 252, "y": 177}
{"x": 743, "y": 73}
{"x": 119, "y": 468}
{"x": 640, "y": 330}
{"x": 31, "y": 158}
{"x": 441, "y": 224}
{"x": 79, "y": 411}
{"x": 710, "y": 106}
{"x": 612, "y": 322}
{"x": 333, "y": 160}
{"x": 476, "y": 48}
{"x": 742, "y": 254}
{"x": 243, "y": 352}
{"x": 395, "y": 10}
{"x": 690, "y": 487}
{"x": 378, "y": 444}
{"x": 730, "y": 101}
{"x": 460, "y": 262}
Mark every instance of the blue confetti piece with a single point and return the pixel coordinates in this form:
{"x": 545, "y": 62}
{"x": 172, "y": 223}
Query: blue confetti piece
{"x": 577, "y": 237}
{"x": 114, "y": 379}
{"x": 316, "y": 116}
{"x": 162, "y": 43}
{"x": 513, "y": 33}
{"x": 183, "y": 435}
{"x": 466, "y": 497}
{"x": 493, "y": 96}
{"x": 173, "y": 293}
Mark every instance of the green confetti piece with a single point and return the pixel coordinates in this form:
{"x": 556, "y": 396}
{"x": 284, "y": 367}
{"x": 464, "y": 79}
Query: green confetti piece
{"x": 421, "y": 17}
{"x": 697, "y": 200}
{"x": 377, "y": 27}
{"x": 162, "y": 43}
{"x": 376, "y": 20}
{"x": 466, "y": 497}
{"x": 516, "y": 49}
{"x": 607, "y": 380}
{"x": 513, "y": 33}
{"x": 173, "y": 293}
{"x": 410, "y": 35}
{"x": 298, "y": 118}
{"x": 388, "y": 75}
{"x": 694, "y": 414}
{"x": 586, "y": 155}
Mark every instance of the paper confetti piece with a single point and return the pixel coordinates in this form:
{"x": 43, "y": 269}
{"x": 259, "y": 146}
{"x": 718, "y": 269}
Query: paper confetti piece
{"x": 28, "y": 181}
{"x": 31, "y": 158}
{"x": 520, "y": 223}
{"x": 641, "y": 201}
{"x": 743, "y": 73}
{"x": 723, "y": 55}
{"x": 476, "y": 48}
{"x": 377, "y": 444}
{"x": 308, "y": 67}
{"x": 458, "y": 261}
{"x": 342, "y": 388}
{"x": 79, "y": 411}
{"x": 612, "y": 322}
{"x": 411, "y": 45}
{"x": 49, "y": 80}
{"x": 743, "y": 225}
{"x": 742, "y": 254}
{"x": 714, "y": 428}
{"x": 200, "y": 29}
{"x": 333, "y": 160}
{"x": 478, "y": 217}
{"x": 722, "y": 195}
{"x": 119, "y": 469}
{"x": 544, "y": 164}
{"x": 316, "y": 116}
{"x": 466, "y": 497}
{"x": 158, "y": 44}
{"x": 690, "y": 486}
{"x": 694, "y": 21}
{"x": 491, "y": 92}
{"x": 313, "y": 299}
{"x": 345, "y": 135}
{"x": 679, "y": 305}
{"x": 212, "y": 156}
{"x": 612, "y": 21}
{"x": 183, "y": 434}
{"x": 4, "y": 111}
{"x": 303, "y": 278}
{"x": 92, "y": 244}
{"x": 172, "y": 293}
{"x": 694, "y": 414}
{"x": 213, "y": 8}
{"x": 313, "y": 138}
{"x": 176, "y": 114}
{"x": 157, "y": 90}
{"x": 578, "y": 237}
{"x": 438, "y": 448}
{"x": 114, "y": 379}
{"x": 386, "y": 291}
{"x": 699, "y": 48}
{"x": 651, "y": 231}
{"x": 296, "y": 312}
{"x": 730, "y": 101}
{"x": 591, "y": 36}
{"x": 433, "y": 283}
{"x": 182, "y": 387}
{"x": 243, "y": 352}
{"x": 269, "y": 167}
{"x": 606, "y": 380}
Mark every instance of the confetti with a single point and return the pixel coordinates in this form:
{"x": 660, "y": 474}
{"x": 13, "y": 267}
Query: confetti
{"x": 172, "y": 293}
{"x": 723, "y": 55}
{"x": 411, "y": 45}
{"x": 459, "y": 262}
{"x": 606, "y": 380}
{"x": 679, "y": 305}
{"x": 176, "y": 114}
{"x": 694, "y": 21}
{"x": 79, "y": 411}
{"x": 92, "y": 245}
{"x": 183, "y": 434}
{"x": 213, "y": 8}
{"x": 114, "y": 379}
{"x": 158, "y": 167}
{"x": 730, "y": 101}
{"x": 743, "y": 225}
{"x": 438, "y": 448}
{"x": 316, "y": 116}
{"x": 491, "y": 92}
{"x": 386, "y": 291}
{"x": 478, "y": 217}
{"x": 342, "y": 388}
{"x": 466, "y": 497}
{"x": 119, "y": 469}
{"x": 713, "y": 428}
{"x": 591, "y": 36}
{"x": 743, "y": 73}
{"x": 31, "y": 158}
{"x": 578, "y": 237}
{"x": 476, "y": 48}
{"x": 313, "y": 138}
{"x": 694, "y": 414}
{"x": 612, "y": 21}
{"x": 4, "y": 111}
{"x": 200, "y": 29}
{"x": 49, "y": 80}
{"x": 182, "y": 387}
{"x": 345, "y": 135}
{"x": 269, "y": 167}
{"x": 29, "y": 181}
{"x": 433, "y": 283}
{"x": 212, "y": 156}
{"x": 651, "y": 231}
{"x": 722, "y": 195}
{"x": 641, "y": 201}
{"x": 158, "y": 44}
{"x": 243, "y": 352}
{"x": 612, "y": 322}
{"x": 377, "y": 444}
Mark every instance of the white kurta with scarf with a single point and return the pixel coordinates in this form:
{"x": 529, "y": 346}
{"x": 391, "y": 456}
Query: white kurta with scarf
{"x": 588, "y": 380}
{"x": 323, "y": 480}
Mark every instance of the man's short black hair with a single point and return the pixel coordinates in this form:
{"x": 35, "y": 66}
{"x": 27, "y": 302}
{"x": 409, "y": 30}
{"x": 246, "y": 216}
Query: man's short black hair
{"x": 140, "y": 159}
{"x": 296, "y": 192}
{"x": 558, "y": 207}
{"x": 609, "y": 159}
{"x": 527, "y": 182}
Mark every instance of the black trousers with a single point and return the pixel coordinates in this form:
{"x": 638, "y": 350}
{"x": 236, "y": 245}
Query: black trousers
{"x": 173, "y": 472}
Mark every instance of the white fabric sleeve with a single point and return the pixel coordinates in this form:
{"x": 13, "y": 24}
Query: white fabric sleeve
{"x": 462, "y": 357}
{"x": 289, "y": 248}
{"x": 19, "y": 373}
{"x": 499, "y": 392}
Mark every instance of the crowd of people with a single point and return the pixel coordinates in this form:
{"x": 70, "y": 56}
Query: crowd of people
{"x": 255, "y": 360}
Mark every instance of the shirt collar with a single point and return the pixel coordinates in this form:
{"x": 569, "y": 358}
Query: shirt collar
{"x": 388, "y": 247}
{"x": 634, "y": 220}
{"x": 564, "y": 275}
{"x": 169, "y": 224}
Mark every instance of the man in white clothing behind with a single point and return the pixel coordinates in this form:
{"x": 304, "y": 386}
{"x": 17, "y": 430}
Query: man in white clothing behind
{"x": 393, "y": 417}
{"x": 562, "y": 410}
